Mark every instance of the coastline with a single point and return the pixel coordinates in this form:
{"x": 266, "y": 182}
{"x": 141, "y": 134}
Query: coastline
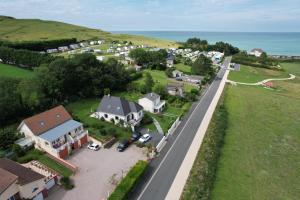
{"x": 285, "y": 44}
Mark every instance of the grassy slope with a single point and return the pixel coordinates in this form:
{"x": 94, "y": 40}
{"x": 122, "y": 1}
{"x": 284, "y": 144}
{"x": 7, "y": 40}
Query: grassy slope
{"x": 249, "y": 74}
{"x": 183, "y": 68}
{"x": 260, "y": 158}
{"x": 35, "y": 29}
{"x": 14, "y": 72}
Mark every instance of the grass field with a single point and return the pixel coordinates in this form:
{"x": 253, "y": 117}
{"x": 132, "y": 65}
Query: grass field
{"x": 160, "y": 78}
{"x": 34, "y": 29}
{"x": 260, "y": 157}
{"x": 183, "y": 68}
{"x": 15, "y": 72}
{"x": 249, "y": 74}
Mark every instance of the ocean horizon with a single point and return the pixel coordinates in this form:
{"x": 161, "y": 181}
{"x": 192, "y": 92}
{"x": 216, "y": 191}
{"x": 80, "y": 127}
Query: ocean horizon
{"x": 274, "y": 43}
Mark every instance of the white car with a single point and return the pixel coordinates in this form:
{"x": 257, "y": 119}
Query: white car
{"x": 145, "y": 138}
{"x": 94, "y": 146}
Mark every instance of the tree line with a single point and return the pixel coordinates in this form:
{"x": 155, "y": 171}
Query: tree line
{"x": 152, "y": 59}
{"x": 39, "y": 45}
{"x": 58, "y": 82}
{"x": 23, "y": 58}
{"x": 202, "y": 45}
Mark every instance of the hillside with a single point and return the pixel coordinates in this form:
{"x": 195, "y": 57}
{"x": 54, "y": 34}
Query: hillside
{"x": 12, "y": 29}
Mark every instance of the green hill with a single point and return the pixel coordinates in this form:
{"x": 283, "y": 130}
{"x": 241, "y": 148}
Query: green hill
{"x": 12, "y": 29}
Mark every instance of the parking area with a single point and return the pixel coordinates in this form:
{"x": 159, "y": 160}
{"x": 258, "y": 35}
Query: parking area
{"x": 155, "y": 136}
{"x": 98, "y": 172}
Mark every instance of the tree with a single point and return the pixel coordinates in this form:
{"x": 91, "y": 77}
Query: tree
{"x": 7, "y": 138}
{"x": 169, "y": 72}
{"x": 10, "y": 100}
{"x": 149, "y": 83}
{"x": 161, "y": 90}
{"x": 202, "y": 66}
{"x": 263, "y": 59}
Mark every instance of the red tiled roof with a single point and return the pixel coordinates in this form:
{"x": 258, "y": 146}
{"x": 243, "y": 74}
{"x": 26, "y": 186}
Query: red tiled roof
{"x": 23, "y": 174}
{"x": 6, "y": 179}
{"x": 47, "y": 120}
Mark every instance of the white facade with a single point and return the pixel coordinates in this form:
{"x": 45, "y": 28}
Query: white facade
{"x": 155, "y": 106}
{"x": 256, "y": 53}
{"x": 132, "y": 118}
{"x": 59, "y": 144}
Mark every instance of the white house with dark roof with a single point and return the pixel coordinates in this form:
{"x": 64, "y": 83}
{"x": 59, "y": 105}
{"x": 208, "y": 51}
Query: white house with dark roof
{"x": 54, "y": 131}
{"x": 117, "y": 110}
{"x": 151, "y": 102}
{"x": 256, "y": 52}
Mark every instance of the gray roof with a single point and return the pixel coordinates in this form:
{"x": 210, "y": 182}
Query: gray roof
{"x": 151, "y": 96}
{"x": 55, "y": 133}
{"x": 118, "y": 106}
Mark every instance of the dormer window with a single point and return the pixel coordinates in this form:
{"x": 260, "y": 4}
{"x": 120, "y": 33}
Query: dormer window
{"x": 42, "y": 123}
{"x": 58, "y": 116}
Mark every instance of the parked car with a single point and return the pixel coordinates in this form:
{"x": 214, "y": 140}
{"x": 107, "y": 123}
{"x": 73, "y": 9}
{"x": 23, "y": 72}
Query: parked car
{"x": 94, "y": 146}
{"x": 122, "y": 145}
{"x": 135, "y": 136}
{"x": 145, "y": 138}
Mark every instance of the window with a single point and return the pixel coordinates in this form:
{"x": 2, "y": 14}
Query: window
{"x": 35, "y": 189}
{"x": 11, "y": 198}
{"x": 47, "y": 143}
{"x": 105, "y": 115}
{"x": 116, "y": 117}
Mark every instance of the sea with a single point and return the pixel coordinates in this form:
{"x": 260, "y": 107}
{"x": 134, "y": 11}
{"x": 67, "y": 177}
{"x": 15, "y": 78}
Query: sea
{"x": 275, "y": 43}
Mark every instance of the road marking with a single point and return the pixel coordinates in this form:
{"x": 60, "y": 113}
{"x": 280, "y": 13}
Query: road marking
{"x": 143, "y": 191}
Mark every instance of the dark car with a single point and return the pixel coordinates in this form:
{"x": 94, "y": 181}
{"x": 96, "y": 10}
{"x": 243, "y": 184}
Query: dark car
{"x": 135, "y": 136}
{"x": 122, "y": 145}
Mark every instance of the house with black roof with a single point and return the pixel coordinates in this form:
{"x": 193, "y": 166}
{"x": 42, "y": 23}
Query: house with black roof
{"x": 118, "y": 110}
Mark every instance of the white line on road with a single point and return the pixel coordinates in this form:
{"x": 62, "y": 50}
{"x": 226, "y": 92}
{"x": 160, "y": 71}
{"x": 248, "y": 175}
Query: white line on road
{"x": 171, "y": 147}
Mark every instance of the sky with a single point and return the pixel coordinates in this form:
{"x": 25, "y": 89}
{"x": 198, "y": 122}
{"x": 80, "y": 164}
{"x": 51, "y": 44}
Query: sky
{"x": 151, "y": 15}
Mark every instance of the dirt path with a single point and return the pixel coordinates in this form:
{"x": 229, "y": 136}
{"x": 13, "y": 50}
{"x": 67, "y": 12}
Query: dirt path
{"x": 263, "y": 81}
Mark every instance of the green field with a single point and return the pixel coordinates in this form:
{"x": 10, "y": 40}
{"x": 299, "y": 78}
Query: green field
{"x": 160, "y": 78}
{"x": 12, "y": 29}
{"x": 260, "y": 157}
{"x": 183, "y": 68}
{"x": 249, "y": 74}
{"x": 15, "y": 72}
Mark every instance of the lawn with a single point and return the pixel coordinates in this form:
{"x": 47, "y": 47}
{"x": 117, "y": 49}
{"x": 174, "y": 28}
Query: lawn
{"x": 15, "y": 72}
{"x": 41, "y": 157}
{"x": 81, "y": 111}
{"x": 160, "y": 77}
{"x": 249, "y": 74}
{"x": 183, "y": 68}
{"x": 260, "y": 157}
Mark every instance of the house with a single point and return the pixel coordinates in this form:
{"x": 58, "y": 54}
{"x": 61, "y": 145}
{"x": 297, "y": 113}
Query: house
{"x": 74, "y": 46}
{"x": 177, "y": 74}
{"x": 63, "y": 48}
{"x": 138, "y": 68}
{"x": 52, "y": 51}
{"x": 170, "y": 60}
{"x": 151, "y": 102}
{"x": 100, "y": 58}
{"x": 54, "y": 131}
{"x": 19, "y": 182}
{"x": 256, "y": 52}
{"x": 118, "y": 110}
{"x": 175, "y": 89}
{"x": 192, "y": 79}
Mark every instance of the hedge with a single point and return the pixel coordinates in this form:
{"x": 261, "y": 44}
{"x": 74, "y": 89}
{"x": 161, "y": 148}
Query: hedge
{"x": 122, "y": 190}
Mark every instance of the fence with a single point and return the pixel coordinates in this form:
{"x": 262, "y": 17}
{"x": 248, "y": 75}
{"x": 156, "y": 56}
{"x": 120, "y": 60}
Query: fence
{"x": 171, "y": 130}
{"x": 68, "y": 165}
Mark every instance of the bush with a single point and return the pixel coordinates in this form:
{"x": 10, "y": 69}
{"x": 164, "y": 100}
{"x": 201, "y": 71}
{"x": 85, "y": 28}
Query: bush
{"x": 17, "y": 149}
{"x": 122, "y": 190}
{"x": 66, "y": 183}
{"x": 147, "y": 119}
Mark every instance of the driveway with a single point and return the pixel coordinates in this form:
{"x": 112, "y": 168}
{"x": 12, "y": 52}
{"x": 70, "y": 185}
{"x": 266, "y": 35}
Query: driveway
{"x": 98, "y": 172}
{"x": 156, "y": 137}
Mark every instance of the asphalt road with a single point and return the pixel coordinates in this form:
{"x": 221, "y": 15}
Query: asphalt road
{"x": 157, "y": 180}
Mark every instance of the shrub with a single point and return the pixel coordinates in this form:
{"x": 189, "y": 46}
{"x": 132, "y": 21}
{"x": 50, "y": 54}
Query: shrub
{"x": 17, "y": 149}
{"x": 122, "y": 190}
{"x": 66, "y": 183}
{"x": 147, "y": 119}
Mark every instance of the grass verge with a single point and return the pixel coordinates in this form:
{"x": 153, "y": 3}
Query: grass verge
{"x": 202, "y": 175}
